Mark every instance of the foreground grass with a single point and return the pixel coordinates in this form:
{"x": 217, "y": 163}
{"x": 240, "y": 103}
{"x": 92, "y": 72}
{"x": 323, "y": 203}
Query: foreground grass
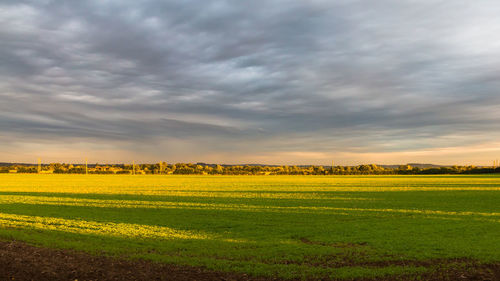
{"x": 285, "y": 226}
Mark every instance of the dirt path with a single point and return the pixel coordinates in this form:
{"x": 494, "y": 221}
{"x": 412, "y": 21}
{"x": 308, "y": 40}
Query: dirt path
{"x": 19, "y": 261}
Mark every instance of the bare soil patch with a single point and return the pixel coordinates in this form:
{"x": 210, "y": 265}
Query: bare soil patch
{"x": 20, "y": 261}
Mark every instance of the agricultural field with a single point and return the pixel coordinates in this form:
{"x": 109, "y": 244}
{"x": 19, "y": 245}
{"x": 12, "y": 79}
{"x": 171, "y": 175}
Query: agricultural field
{"x": 287, "y": 227}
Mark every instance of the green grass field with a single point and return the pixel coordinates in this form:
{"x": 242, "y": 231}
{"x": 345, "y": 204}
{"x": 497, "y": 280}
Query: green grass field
{"x": 284, "y": 226}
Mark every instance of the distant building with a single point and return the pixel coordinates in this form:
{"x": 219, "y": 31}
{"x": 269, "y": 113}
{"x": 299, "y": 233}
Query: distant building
{"x": 46, "y": 172}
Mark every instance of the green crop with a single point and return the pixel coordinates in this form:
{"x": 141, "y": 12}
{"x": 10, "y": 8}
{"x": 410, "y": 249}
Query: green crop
{"x": 284, "y": 226}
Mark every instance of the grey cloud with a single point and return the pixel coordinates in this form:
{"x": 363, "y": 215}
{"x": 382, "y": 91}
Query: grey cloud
{"x": 256, "y": 76}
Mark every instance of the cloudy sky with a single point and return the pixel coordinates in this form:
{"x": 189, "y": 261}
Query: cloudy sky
{"x": 282, "y": 82}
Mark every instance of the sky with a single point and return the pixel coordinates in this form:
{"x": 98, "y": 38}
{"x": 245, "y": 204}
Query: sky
{"x": 261, "y": 81}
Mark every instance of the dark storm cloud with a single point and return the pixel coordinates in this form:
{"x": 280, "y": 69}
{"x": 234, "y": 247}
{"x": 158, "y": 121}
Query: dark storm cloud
{"x": 257, "y": 76}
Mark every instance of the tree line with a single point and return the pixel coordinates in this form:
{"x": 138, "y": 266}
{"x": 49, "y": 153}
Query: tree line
{"x": 214, "y": 169}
